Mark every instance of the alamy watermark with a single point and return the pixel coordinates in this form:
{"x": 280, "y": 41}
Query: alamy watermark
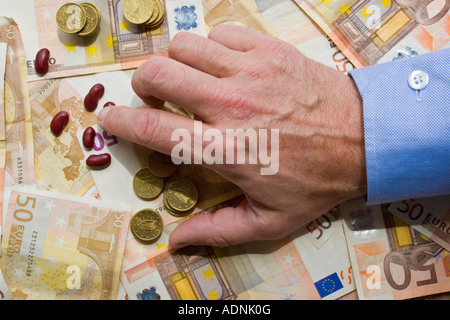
{"x": 231, "y": 146}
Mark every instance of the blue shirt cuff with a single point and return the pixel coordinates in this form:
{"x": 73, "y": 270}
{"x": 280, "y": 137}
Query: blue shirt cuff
{"x": 406, "y": 131}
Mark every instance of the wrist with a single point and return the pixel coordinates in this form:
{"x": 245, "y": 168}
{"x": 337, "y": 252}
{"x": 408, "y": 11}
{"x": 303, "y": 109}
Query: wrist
{"x": 353, "y": 147}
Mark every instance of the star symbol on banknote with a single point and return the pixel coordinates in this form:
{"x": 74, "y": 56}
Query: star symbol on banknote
{"x": 37, "y": 271}
{"x": 385, "y": 3}
{"x": 92, "y": 50}
{"x": 288, "y": 259}
{"x": 208, "y": 274}
{"x": 18, "y": 272}
{"x": 160, "y": 245}
{"x": 213, "y": 295}
{"x": 49, "y": 205}
{"x": 365, "y": 12}
{"x": 60, "y": 241}
{"x": 326, "y": 1}
{"x": 344, "y": 9}
{"x": 52, "y": 260}
{"x": 110, "y": 41}
{"x": 61, "y": 221}
{"x": 70, "y": 46}
{"x": 124, "y": 25}
{"x": 46, "y": 14}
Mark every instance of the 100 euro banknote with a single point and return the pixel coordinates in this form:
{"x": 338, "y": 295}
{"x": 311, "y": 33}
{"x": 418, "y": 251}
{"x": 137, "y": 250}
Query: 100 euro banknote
{"x": 57, "y": 246}
{"x": 370, "y": 32}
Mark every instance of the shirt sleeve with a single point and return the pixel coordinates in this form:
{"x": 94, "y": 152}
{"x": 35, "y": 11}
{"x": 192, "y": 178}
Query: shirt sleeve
{"x": 406, "y": 127}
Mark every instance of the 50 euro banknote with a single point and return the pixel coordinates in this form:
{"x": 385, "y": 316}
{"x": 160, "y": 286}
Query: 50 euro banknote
{"x": 390, "y": 259}
{"x": 17, "y": 163}
{"x": 58, "y": 246}
{"x": 117, "y": 45}
{"x": 59, "y": 161}
{"x": 429, "y": 216}
{"x": 370, "y": 32}
{"x": 289, "y": 268}
{"x": 3, "y": 51}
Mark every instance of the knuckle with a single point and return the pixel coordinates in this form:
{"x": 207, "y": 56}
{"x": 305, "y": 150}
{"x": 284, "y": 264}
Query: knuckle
{"x": 237, "y": 105}
{"x": 269, "y": 225}
{"x": 217, "y": 240}
{"x": 217, "y": 31}
{"x": 148, "y": 74}
{"x": 283, "y": 48}
{"x": 184, "y": 45}
{"x": 177, "y": 42}
{"x": 146, "y": 128}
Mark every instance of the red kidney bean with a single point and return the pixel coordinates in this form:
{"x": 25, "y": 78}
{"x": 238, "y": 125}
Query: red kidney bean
{"x": 109, "y": 103}
{"x": 59, "y": 122}
{"x": 98, "y": 161}
{"x": 41, "y": 61}
{"x": 94, "y": 95}
{"x": 88, "y": 137}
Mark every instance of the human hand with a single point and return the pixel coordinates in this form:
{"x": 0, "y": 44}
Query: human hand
{"x": 240, "y": 78}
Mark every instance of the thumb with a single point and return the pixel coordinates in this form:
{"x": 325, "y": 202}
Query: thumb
{"x": 227, "y": 226}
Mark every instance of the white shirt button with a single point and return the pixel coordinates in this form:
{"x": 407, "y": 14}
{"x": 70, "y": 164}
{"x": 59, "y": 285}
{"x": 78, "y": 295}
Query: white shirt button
{"x": 418, "y": 79}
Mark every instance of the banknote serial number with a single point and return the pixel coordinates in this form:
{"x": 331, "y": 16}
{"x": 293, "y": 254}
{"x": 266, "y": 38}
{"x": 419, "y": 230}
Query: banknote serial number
{"x": 30, "y": 258}
{"x": 46, "y": 86}
{"x": 19, "y": 164}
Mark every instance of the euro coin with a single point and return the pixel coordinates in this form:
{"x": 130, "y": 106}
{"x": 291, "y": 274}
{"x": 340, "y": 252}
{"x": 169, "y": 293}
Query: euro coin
{"x": 146, "y": 225}
{"x": 93, "y": 17}
{"x": 161, "y": 12}
{"x": 170, "y": 209}
{"x": 146, "y": 185}
{"x": 155, "y": 12}
{"x": 161, "y": 169}
{"x": 138, "y": 11}
{"x": 71, "y": 18}
{"x": 181, "y": 195}
{"x": 162, "y": 157}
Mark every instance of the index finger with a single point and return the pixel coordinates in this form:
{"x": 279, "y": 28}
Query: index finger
{"x": 149, "y": 127}
{"x": 173, "y": 81}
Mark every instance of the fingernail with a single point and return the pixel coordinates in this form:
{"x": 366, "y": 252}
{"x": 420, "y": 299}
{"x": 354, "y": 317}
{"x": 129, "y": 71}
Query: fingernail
{"x": 102, "y": 115}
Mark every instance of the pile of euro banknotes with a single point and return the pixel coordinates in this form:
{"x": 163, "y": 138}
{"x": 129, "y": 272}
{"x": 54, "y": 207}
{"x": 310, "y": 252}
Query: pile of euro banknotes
{"x": 65, "y": 228}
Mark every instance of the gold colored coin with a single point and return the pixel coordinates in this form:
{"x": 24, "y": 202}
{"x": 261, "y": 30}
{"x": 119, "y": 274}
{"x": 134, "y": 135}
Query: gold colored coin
{"x": 146, "y": 225}
{"x": 162, "y": 157}
{"x": 71, "y": 18}
{"x": 156, "y": 22}
{"x": 93, "y": 17}
{"x": 161, "y": 169}
{"x": 138, "y": 11}
{"x": 155, "y": 12}
{"x": 170, "y": 209}
{"x": 146, "y": 185}
{"x": 181, "y": 195}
